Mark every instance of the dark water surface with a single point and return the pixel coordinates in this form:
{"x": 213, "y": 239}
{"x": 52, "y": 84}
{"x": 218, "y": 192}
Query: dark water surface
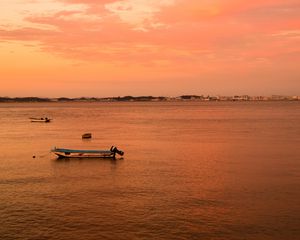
{"x": 191, "y": 170}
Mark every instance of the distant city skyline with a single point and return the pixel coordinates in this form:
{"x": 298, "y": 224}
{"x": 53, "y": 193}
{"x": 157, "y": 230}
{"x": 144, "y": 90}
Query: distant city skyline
{"x": 90, "y": 48}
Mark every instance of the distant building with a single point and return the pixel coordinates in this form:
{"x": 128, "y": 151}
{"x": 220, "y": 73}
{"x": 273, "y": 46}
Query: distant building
{"x": 277, "y": 98}
{"x": 259, "y": 98}
{"x": 241, "y": 98}
{"x": 225, "y": 98}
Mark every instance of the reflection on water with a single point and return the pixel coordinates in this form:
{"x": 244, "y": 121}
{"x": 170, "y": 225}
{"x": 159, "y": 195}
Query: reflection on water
{"x": 190, "y": 171}
{"x": 93, "y": 161}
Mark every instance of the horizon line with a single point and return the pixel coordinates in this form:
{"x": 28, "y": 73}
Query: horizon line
{"x": 155, "y": 96}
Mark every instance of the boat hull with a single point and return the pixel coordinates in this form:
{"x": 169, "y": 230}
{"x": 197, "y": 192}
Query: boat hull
{"x": 85, "y": 155}
{"x": 41, "y": 121}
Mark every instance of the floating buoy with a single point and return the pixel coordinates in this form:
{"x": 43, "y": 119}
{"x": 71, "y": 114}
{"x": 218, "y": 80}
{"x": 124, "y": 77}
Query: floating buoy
{"x": 87, "y": 135}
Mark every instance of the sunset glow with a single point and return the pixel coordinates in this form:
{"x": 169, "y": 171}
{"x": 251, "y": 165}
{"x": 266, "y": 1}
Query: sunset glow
{"x": 149, "y": 47}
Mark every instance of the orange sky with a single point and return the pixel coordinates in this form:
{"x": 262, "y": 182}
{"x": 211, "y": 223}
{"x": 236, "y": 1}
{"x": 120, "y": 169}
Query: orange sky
{"x": 149, "y": 47}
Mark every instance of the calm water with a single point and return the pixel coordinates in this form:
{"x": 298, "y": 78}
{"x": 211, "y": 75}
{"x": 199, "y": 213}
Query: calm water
{"x": 190, "y": 171}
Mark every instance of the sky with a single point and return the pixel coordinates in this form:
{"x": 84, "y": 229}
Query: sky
{"x": 101, "y": 48}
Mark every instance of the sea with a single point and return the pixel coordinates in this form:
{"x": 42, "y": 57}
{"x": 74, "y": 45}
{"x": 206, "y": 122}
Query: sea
{"x": 191, "y": 170}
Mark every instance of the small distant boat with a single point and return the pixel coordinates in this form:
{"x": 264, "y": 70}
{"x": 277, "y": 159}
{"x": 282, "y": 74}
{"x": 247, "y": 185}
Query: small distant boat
{"x": 87, "y": 135}
{"x": 73, "y": 153}
{"x": 46, "y": 120}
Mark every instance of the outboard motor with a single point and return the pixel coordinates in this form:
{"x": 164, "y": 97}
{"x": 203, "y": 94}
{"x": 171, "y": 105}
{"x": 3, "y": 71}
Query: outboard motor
{"x": 115, "y": 150}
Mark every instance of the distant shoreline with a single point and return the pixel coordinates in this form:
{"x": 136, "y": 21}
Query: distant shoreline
{"x": 153, "y": 99}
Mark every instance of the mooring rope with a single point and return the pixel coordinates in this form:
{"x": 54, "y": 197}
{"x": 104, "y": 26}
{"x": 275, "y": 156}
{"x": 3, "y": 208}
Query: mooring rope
{"x": 41, "y": 156}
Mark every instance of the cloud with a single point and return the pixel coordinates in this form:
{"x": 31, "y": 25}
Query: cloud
{"x": 165, "y": 32}
{"x": 140, "y": 14}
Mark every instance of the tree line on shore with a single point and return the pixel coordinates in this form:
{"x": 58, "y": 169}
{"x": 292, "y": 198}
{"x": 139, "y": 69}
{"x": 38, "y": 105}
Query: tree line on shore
{"x": 149, "y": 98}
{"x": 65, "y": 99}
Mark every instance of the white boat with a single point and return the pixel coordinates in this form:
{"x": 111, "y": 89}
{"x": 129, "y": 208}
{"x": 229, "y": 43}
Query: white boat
{"x": 73, "y": 153}
{"x": 46, "y": 120}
